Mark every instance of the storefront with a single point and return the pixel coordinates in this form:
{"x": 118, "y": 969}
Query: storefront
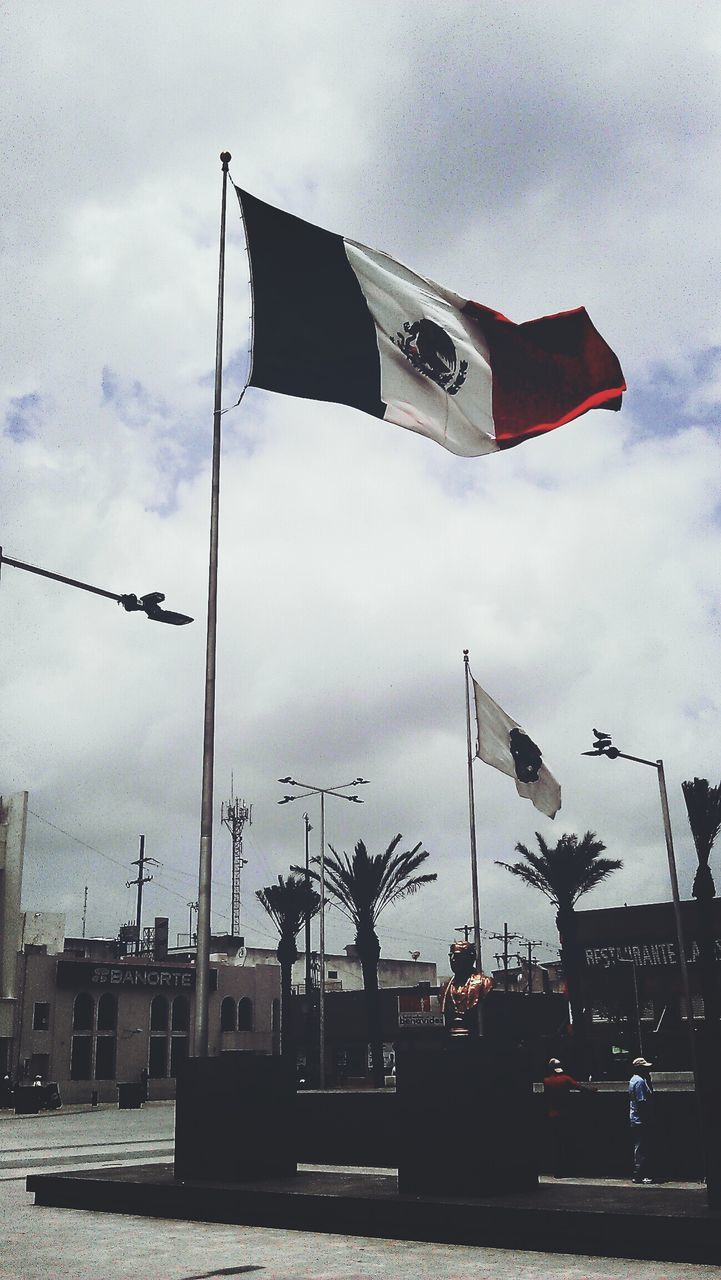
{"x": 89, "y": 1024}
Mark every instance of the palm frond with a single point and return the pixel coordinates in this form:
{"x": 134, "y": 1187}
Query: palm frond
{"x": 703, "y": 805}
{"x": 288, "y": 903}
{"x": 564, "y": 872}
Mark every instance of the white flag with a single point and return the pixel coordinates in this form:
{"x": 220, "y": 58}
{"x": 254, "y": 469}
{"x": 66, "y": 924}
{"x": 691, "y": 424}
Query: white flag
{"x": 503, "y": 744}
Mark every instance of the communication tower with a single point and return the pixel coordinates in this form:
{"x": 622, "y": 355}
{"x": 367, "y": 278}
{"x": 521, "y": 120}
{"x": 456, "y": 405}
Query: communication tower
{"x": 234, "y": 814}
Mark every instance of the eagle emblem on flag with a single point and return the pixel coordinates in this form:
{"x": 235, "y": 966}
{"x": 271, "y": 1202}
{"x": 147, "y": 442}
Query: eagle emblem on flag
{"x": 432, "y": 352}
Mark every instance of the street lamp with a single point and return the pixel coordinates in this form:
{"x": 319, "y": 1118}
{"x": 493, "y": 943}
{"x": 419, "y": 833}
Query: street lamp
{"x": 147, "y": 604}
{"x": 603, "y": 746}
{"x": 339, "y": 793}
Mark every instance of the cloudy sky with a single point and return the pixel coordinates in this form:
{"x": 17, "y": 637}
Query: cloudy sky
{"x": 533, "y": 157}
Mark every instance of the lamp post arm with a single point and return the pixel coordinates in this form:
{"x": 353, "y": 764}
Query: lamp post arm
{"x": 59, "y": 577}
{"x": 621, "y": 755}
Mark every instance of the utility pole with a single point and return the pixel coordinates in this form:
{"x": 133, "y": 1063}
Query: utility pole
{"x": 531, "y": 943}
{"x": 465, "y": 929}
{"x": 234, "y": 814}
{"x": 85, "y": 909}
{"x": 140, "y": 862}
{"x": 505, "y": 938}
{"x": 308, "y": 961}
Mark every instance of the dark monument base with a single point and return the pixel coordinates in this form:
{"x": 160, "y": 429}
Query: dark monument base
{"x": 466, "y": 1119}
{"x": 234, "y": 1119}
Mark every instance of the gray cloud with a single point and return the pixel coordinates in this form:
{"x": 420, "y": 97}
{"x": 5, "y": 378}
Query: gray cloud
{"x": 534, "y": 157}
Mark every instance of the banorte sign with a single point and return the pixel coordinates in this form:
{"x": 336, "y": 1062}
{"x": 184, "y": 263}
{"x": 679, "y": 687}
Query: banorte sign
{"x": 84, "y": 973}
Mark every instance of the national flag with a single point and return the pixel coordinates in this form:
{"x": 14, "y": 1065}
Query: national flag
{"x": 335, "y": 320}
{"x": 503, "y": 744}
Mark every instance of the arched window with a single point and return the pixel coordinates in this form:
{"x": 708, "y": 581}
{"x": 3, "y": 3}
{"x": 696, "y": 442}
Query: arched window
{"x": 105, "y": 1044}
{"x": 245, "y": 1014}
{"x": 83, "y": 1010}
{"x": 107, "y": 1012}
{"x": 181, "y": 1013}
{"x": 180, "y": 1021}
{"x": 159, "y": 1014}
{"x": 228, "y": 1020}
{"x": 81, "y": 1048}
{"x": 158, "y": 1047}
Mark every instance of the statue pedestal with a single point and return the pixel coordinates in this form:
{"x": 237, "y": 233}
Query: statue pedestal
{"x": 466, "y": 1119}
{"x": 234, "y": 1119}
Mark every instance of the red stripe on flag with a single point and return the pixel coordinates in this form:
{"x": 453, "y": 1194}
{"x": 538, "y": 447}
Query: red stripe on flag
{"x": 546, "y": 372}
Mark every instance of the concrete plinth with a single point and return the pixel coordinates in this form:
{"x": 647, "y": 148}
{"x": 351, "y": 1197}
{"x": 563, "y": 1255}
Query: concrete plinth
{"x": 234, "y": 1119}
{"x": 466, "y": 1119}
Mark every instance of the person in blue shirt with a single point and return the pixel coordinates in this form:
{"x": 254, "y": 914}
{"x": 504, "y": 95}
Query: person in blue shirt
{"x": 641, "y": 1116}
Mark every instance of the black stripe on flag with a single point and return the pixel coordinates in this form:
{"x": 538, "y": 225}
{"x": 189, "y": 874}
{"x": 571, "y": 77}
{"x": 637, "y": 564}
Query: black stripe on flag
{"x": 313, "y": 333}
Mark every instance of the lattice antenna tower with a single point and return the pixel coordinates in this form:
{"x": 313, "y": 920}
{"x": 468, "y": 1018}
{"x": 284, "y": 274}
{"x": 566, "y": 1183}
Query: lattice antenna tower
{"x": 234, "y": 814}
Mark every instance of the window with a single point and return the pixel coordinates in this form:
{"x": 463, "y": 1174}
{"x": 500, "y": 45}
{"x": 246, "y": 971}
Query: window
{"x": 158, "y": 1048}
{"x": 107, "y": 1013}
{"x": 83, "y": 1012}
{"x": 228, "y": 1015}
{"x": 105, "y": 1042}
{"x": 158, "y": 1058}
{"x": 41, "y": 1016}
{"x": 81, "y": 1047}
{"x": 332, "y": 973}
{"x": 245, "y": 1014}
{"x": 159, "y": 1014}
{"x": 180, "y": 1022}
{"x": 94, "y": 1040}
{"x": 181, "y": 1014}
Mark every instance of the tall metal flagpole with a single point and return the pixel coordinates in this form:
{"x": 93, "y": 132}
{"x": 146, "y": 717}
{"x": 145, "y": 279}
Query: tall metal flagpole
{"x": 472, "y": 818}
{"x": 202, "y": 968}
{"x": 321, "y": 948}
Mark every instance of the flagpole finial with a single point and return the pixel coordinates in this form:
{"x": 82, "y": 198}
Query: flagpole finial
{"x": 465, "y": 655}
{"x": 226, "y": 158}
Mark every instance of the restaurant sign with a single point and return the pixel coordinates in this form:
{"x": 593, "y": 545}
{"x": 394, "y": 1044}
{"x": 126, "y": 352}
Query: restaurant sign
{"x": 643, "y": 954}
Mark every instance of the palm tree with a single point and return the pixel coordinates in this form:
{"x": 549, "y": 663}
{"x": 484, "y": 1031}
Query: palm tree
{"x": 362, "y": 887}
{"x": 703, "y": 805}
{"x": 288, "y": 903}
{"x": 563, "y": 874}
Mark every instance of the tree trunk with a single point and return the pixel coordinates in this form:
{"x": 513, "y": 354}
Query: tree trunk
{"x": 369, "y": 950}
{"x": 287, "y": 955}
{"x": 570, "y": 961}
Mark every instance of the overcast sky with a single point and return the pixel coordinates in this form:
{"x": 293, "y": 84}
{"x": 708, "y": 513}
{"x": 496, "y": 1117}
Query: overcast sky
{"x": 534, "y": 157}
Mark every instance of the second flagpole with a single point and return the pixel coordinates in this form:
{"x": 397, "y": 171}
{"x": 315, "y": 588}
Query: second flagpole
{"x": 472, "y": 819}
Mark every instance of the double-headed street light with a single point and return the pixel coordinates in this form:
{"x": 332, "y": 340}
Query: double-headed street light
{"x": 339, "y": 793}
{"x": 148, "y": 604}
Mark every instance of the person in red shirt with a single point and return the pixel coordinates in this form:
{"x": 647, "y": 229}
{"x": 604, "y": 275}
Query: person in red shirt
{"x": 558, "y": 1086}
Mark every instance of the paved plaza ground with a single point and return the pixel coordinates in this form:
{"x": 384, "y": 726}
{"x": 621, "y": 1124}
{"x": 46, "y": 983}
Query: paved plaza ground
{"x": 66, "y": 1244}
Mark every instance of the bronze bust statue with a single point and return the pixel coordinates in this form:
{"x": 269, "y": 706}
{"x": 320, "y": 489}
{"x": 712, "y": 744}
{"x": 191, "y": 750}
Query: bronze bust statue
{"x": 461, "y": 996}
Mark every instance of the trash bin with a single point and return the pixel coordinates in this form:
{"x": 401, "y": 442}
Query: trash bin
{"x": 52, "y": 1096}
{"x": 28, "y": 1100}
{"x": 130, "y": 1096}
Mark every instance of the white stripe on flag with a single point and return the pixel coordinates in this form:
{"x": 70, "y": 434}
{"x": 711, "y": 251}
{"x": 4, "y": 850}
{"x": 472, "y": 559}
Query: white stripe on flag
{"x": 461, "y": 421}
{"x": 495, "y": 730}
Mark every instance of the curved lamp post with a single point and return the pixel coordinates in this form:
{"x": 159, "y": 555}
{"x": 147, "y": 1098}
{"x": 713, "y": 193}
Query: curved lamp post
{"x": 339, "y": 793}
{"x": 708, "y": 1120}
{"x": 147, "y": 604}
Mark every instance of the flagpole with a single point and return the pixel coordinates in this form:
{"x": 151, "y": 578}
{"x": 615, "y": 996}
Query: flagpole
{"x": 472, "y": 820}
{"x": 202, "y": 964}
